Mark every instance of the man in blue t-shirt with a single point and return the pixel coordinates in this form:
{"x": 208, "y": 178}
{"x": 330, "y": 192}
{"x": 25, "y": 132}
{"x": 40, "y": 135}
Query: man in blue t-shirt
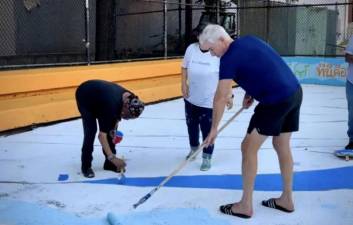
{"x": 107, "y": 103}
{"x": 265, "y": 77}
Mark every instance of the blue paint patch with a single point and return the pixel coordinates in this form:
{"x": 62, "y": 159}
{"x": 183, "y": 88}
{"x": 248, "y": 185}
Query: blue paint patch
{"x": 316, "y": 180}
{"x": 16, "y": 212}
{"x": 168, "y": 217}
{"x": 63, "y": 177}
{"x": 329, "y": 206}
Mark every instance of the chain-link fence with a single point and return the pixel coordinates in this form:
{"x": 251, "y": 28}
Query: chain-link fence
{"x": 41, "y": 32}
{"x": 54, "y": 32}
{"x": 311, "y": 28}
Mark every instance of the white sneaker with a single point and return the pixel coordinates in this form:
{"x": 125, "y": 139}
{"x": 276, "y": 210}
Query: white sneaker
{"x": 206, "y": 162}
{"x": 192, "y": 151}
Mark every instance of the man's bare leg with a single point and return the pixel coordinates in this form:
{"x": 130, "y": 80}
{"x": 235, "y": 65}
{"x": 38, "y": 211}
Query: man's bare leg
{"x": 250, "y": 146}
{"x": 281, "y": 144}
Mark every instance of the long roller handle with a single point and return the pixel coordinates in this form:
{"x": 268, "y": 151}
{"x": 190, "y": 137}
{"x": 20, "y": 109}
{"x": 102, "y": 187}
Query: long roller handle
{"x": 146, "y": 197}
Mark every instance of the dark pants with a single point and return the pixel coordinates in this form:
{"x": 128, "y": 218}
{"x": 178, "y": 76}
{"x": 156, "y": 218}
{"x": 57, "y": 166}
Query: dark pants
{"x": 198, "y": 118}
{"x": 89, "y": 123}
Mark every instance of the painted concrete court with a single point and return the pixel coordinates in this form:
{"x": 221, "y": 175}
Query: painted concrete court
{"x": 41, "y": 181}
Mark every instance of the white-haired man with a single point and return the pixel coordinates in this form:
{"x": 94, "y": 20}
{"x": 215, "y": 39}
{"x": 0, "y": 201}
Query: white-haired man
{"x": 265, "y": 77}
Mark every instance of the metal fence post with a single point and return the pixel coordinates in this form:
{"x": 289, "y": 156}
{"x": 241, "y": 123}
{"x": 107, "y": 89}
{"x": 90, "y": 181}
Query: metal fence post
{"x": 87, "y": 44}
{"x": 165, "y": 28}
{"x": 218, "y": 21}
{"x": 268, "y": 21}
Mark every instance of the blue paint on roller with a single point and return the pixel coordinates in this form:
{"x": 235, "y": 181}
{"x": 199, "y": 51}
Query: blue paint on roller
{"x": 176, "y": 216}
{"x": 63, "y": 177}
{"x": 315, "y": 180}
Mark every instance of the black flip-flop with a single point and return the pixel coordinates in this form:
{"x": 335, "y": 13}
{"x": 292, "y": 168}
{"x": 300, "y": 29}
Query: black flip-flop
{"x": 227, "y": 209}
{"x": 271, "y": 203}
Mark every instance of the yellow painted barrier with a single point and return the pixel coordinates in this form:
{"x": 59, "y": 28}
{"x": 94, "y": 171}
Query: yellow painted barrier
{"x": 35, "y": 96}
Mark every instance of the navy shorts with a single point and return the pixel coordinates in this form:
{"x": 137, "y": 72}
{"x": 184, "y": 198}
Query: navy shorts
{"x": 274, "y": 119}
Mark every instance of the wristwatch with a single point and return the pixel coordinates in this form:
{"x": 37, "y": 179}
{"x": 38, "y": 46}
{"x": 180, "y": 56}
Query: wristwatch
{"x": 111, "y": 157}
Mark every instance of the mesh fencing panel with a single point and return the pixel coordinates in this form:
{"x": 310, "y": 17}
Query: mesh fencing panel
{"x": 41, "y": 31}
{"x": 139, "y": 27}
{"x": 47, "y": 32}
{"x": 143, "y": 28}
{"x": 316, "y": 28}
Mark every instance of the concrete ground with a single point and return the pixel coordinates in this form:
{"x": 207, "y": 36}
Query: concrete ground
{"x": 40, "y": 180}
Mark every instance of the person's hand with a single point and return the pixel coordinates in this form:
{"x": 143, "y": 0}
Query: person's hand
{"x": 210, "y": 139}
{"x": 185, "y": 90}
{"x": 119, "y": 163}
{"x": 247, "y": 101}
{"x": 230, "y": 102}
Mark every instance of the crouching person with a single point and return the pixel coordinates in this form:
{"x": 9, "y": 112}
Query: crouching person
{"x": 107, "y": 103}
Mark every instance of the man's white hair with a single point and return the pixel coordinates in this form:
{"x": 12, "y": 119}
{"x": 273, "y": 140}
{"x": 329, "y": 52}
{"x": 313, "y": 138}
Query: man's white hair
{"x": 212, "y": 32}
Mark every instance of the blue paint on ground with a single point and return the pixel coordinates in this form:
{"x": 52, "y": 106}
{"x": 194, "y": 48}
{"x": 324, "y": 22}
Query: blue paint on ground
{"x": 23, "y": 213}
{"x": 316, "y": 180}
{"x": 166, "y": 217}
{"x": 329, "y": 206}
{"x": 63, "y": 177}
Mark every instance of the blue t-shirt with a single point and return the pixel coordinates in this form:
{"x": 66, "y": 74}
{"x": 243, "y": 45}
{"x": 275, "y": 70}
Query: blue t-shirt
{"x": 258, "y": 69}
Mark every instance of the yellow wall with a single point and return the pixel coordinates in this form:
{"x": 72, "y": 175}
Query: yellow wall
{"x": 44, "y": 95}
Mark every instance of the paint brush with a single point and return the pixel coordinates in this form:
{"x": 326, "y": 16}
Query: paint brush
{"x": 121, "y": 174}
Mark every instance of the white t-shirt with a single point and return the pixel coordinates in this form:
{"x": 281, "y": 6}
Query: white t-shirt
{"x": 202, "y": 72}
{"x": 349, "y": 50}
